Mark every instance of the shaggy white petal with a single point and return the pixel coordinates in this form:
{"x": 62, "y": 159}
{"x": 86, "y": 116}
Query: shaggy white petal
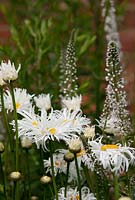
{"x": 58, "y": 125}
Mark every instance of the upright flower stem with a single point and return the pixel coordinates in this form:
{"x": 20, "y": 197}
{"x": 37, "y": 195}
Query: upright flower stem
{"x": 78, "y": 175}
{"x": 52, "y": 168}
{"x": 116, "y": 187}
{"x": 16, "y": 125}
{"x": 28, "y": 172}
{"x": 5, "y": 119}
{"x": 88, "y": 178}
{"x": 17, "y": 140}
{"x": 41, "y": 160}
{"x": 68, "y": 164}
{"x": 3, "y": 178}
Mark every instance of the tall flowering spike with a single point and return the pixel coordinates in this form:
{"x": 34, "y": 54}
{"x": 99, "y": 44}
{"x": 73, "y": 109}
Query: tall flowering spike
{"x": 110, "y": 24}
{"x": 115, "y": 117}
{"x": 68, "y": 85}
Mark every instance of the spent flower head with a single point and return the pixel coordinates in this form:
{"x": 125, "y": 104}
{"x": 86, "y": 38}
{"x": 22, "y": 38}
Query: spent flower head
{"x": 8, "y": 70}
{"x": 72, "y": 103}
{"x": 89, "y": 132}
{"x": 43, "y": 101}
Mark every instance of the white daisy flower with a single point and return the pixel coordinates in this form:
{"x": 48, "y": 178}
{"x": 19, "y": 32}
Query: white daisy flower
{"x": 74, "y": 194}
{"x": 52, "y": 126}
{"x": 113, "y": 157}
{"x": 43, "y": 101}
{"x": 22, "y": 99}
{"x": 9, "y": 73}
{"x": 60, "y": 165}
{"x": 73, "y": 103}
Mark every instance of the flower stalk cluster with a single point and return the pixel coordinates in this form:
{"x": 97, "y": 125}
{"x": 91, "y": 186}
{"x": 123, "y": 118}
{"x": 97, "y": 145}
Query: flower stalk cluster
{"x": 115, "y": 117}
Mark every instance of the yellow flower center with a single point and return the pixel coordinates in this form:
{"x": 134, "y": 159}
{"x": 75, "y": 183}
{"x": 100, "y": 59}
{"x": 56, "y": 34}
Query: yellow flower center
{"x": 76, "y": 197}
{"x": 52, "y": 131}
{"x": 65, "y": 120}
{"x": 34, "y": 123}
{"x": 109, "y": 146}
{"x": 81, "y": 153}
{"x": 58, "y": 163}
{"x": 18, "y": 105}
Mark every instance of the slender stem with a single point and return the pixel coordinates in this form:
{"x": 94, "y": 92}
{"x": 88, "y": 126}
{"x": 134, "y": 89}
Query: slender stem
{"x": 16, "y": 141}
{"x": 3, "y": 178}
{"x": 52, "y": 167}
{"x": 116, "y": 187}
{"x": 87, "y": 175}
{"x": 16, "y": 124}
{"x": 28, "y": 172}
{"x": 44, "y": 193}
{"x": 41, "y": 160}
{"x": 78, "y": 175}
{"x": 5, "y": 119}
{"x": 16, "y": 190}
{"x": 50, "y": 188}
{"x": 68, "y": 164}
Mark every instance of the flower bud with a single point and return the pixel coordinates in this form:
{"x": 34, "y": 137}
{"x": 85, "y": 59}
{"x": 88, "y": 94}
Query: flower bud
{"x": 34, "y": 198}
{"x": 45, "y": 179}
{"x": 124, "y": 198}
{"x": 75, "y": 145}
{"x": 26, "y": 143}
{"x": 15, "y": 176}
{"x": 2, "y": 148}
{"x": 69, "y": 157}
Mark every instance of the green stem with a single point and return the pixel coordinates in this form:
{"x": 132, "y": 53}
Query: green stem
{"x": 16, "y": 141}
{"x": 28, "y": 172}
{"x": 44, "y": 194}
{"x": 3, "y": 178}
{"x": 52, "y": 167}
{"x": 5, "y": 119}
{"x": 16, "y": 124}
{"x": 78, "y": 175}
{"x": 68, "y": 164}
{"x": 16, "y": 190}
{"x": 116, "y": 187}
{"x": 87, "y": 175}
{"x": 50, "y": 188}
{"x": 41, "y": 160}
